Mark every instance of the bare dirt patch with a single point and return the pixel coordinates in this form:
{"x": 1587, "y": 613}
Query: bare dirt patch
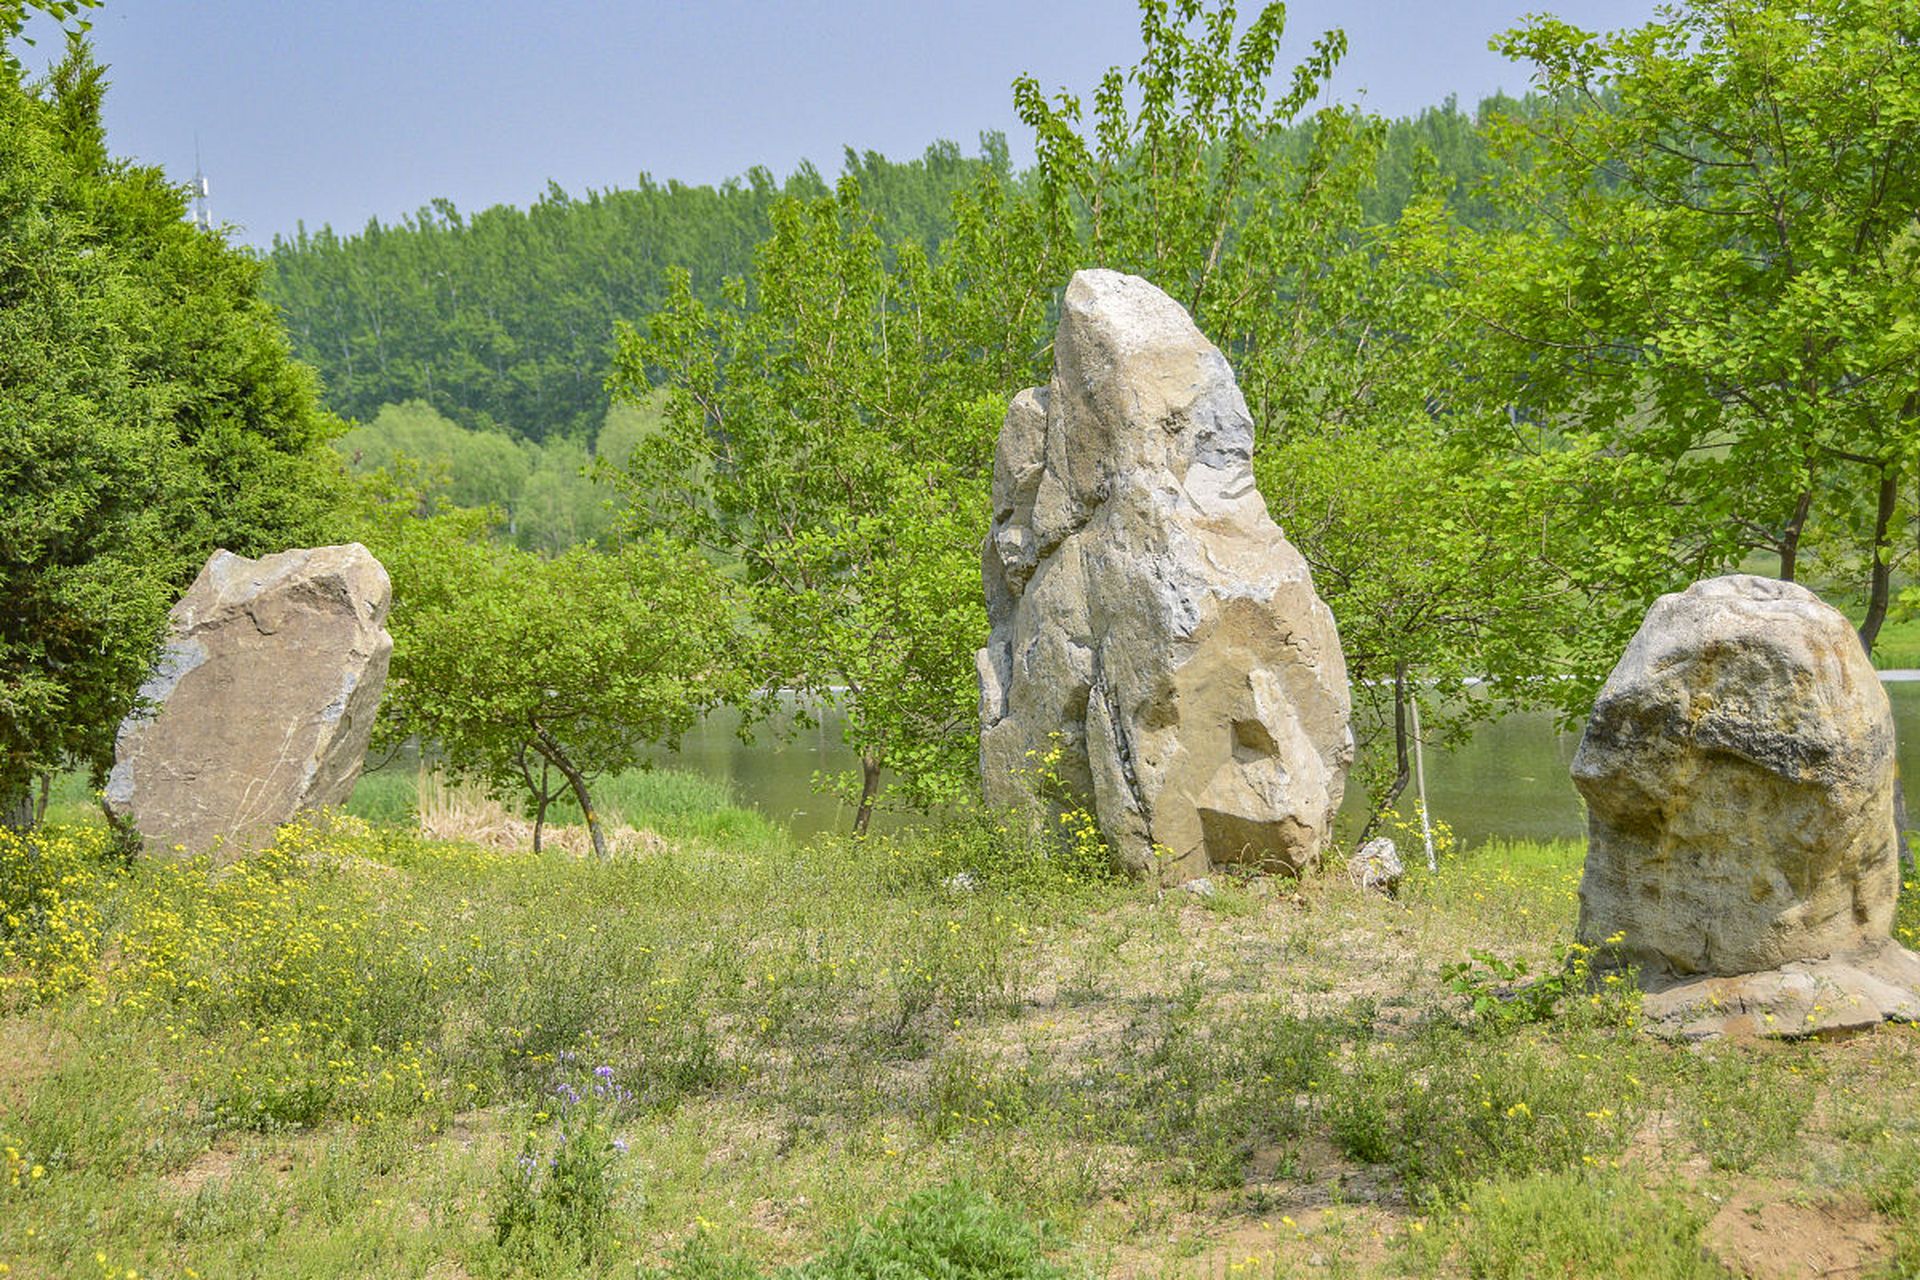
{"x": 1763, "y": 1234}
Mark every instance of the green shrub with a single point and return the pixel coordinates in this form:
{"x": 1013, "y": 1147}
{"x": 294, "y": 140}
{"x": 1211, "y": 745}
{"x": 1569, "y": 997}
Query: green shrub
{"x": 1447, "y": 1109}
{"x": 952, "y": 1232}
{"x": 1566, "y": 1224}
{"x": 555, "y": 1202}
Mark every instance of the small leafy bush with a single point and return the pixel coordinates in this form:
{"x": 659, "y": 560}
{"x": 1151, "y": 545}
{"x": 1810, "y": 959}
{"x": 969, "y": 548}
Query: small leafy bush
{"x": 1501, "y": 997}
{"x": 1566, "y": 1224}
{"x": 951, "y": 1231}
{"x": 555, "y": 1199}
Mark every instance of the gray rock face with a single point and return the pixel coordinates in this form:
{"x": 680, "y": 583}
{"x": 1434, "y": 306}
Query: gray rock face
{"x": 263, "y": 700}
{"x": 1738, "y": 771}
{"x": 1149, "y": 620}
{"x": 1377, "y": 866}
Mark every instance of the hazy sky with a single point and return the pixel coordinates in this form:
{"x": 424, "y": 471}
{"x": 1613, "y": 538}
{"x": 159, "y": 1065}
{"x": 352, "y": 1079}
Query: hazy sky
{"x": 338, "y": 110}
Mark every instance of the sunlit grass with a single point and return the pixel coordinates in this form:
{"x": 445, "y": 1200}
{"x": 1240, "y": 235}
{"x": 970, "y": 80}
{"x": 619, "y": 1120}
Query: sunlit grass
{"x": 358, "y": 1052}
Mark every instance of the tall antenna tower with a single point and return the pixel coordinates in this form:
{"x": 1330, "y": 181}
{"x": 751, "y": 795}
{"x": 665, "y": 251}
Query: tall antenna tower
{"x": 201, "y": 218}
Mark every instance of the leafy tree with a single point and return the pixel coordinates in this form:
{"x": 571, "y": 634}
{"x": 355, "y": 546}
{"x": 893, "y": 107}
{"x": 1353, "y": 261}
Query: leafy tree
{"x": 502, "y": 318}
{"x": 149, "y": 412}
{"x": 626, "y": 424}
{"x": 467, "y": 468}
{"x": 537, "y": 676}
{"x": 1180, "y": 184}
{"x": 1719, "y": 275}
{"x": 1432, "y": 550}
{"x": 826, "y": 427}
{"x": 561, "y": 505}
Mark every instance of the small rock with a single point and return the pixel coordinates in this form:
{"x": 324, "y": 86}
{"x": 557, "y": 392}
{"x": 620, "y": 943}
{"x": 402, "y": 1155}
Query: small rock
{"x": 1201, "y": 887}
{"x": 1378, "y": 866}
{"x": 960, "y": 882}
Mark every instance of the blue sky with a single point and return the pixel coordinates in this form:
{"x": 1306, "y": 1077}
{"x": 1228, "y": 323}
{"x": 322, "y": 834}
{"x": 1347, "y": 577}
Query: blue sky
{"x": 333, "y": 111}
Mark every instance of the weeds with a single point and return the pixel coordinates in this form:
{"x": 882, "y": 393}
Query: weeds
{"x": 1501, "y": 995}
{"x": 555, "y": 1197}
{"x": 1566, "y": 1224}
{"x": 340, "y": 1056}
{"x": 1444, "y": 1110}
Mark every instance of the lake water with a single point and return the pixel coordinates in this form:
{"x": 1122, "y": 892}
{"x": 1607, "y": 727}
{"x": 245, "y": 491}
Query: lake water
{"x": 1509, "y": 781}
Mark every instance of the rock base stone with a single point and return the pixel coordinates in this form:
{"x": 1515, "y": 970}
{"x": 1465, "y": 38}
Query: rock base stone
{"x": 1855, "y": 991}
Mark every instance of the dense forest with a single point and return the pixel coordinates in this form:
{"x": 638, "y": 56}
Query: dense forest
{"x": 503, "y": 319}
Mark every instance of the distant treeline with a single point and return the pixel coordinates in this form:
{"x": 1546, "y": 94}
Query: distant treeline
{"x": 503, "y": 320}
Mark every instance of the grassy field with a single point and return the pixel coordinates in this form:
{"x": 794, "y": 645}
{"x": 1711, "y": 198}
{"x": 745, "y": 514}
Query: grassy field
{"x": 721, "y": 1054}
{"x": 1898, "y": 645}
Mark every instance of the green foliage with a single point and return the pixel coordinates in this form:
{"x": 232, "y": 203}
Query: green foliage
{"x": 467, "y": 468}
{"x": 545, "y": 494}
{"x": 1501, "y": 997}
{"x": 1167, "y": 186}
{"x": 515, "y": 664}
{"x": 827, "y": 428}
{"x": 1714, "y": 284}
{"x": 13, "y": 16}
{"x": 627, "y": 423}
{"x": 1567, "y": 1224}
{"x": 149, "y": 412}
{"x": 1443, "y": 1111}
{"x": 1746, "y": 1104}
{"x": 950, "y": 1231}
{"x": 501, "y": 319}
{"x": 555, "y": 1198}
{"x": 537, "y": 676}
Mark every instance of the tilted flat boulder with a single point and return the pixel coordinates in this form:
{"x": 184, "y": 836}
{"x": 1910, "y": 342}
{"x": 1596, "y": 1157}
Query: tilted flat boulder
{"x": 1738, "y": 771}
{"x": 1153, "y": 634}
{"x": 262, "y": 702}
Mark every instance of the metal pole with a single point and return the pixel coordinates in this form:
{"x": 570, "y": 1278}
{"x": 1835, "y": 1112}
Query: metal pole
{"x": 1420, "y": 777}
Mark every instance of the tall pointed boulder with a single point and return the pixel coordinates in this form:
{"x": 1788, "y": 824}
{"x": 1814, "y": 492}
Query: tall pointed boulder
{"x": 1152, "y": 631}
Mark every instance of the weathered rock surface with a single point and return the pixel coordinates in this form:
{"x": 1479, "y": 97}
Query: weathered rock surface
{"x": 1148, "y": 619}
{"x": 263, "y": 700}
{"x": 1378, "y": 866}
{"x": 1738, "y": 771}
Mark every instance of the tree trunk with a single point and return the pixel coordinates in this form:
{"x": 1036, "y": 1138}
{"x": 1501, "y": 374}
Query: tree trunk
{"x": 1402, "y": 768}
{"x": 1881, "y": 582}
{"x": 550, "y": 749}
{"x": 1790, "y": 537}
{"x": 869, "y": 790}
{"x": 1879, "y": 589}
{"x": 16, "y": 810}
